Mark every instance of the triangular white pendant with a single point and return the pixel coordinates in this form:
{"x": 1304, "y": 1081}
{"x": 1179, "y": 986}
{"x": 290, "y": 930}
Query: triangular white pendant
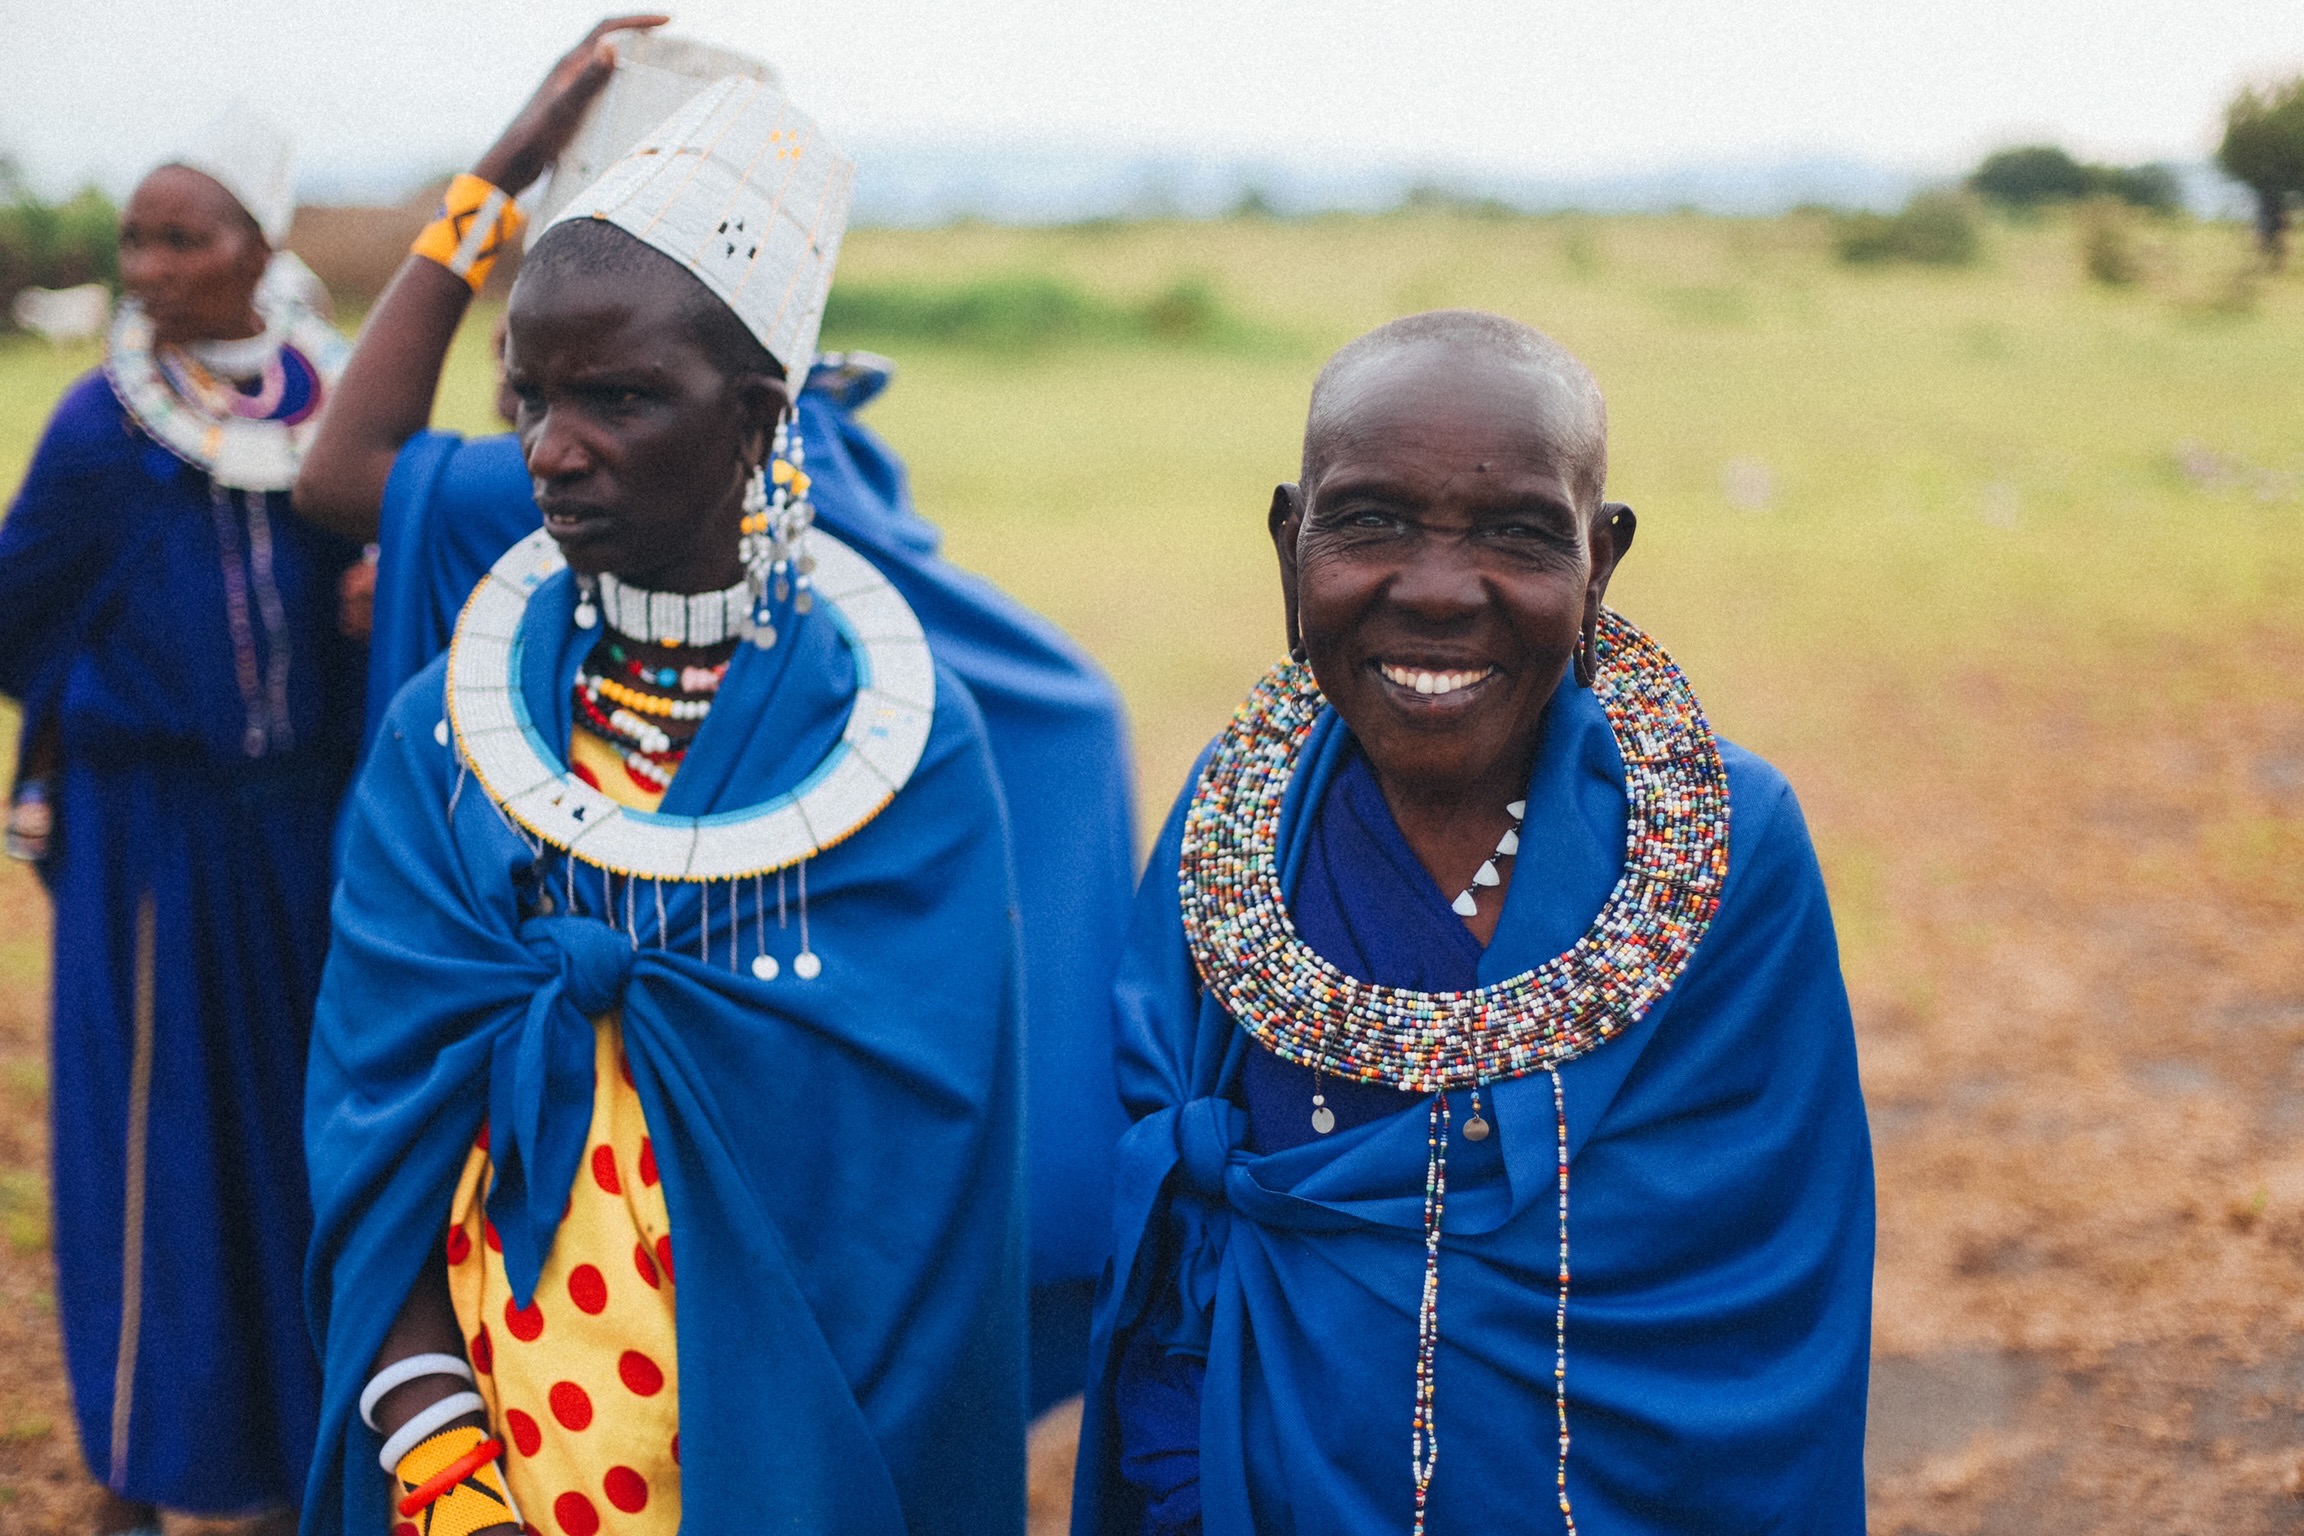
{"x": 1517, "y": 810}
{"x": 1508, "y": 844}
{"x": 1486, "y": 874}
{"x": 1465, "y": 906}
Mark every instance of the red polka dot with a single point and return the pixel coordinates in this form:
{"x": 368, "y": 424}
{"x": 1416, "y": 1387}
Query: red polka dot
{"x": 576, "y": 1515}
{"x": 483, "y": 1352}
{"x": 604, "y": 1169}
{"x": 624, "y": 1069}
{"x": 570, "y": 1405}
{"x": 480, "y": 1142}
{"x": 642, "y": 1375}
{"x": 675, "y": 1447}
{"x": 405, "y": 1529}
{"x": 584, "y": 773}
{"x": 528, "y": 1528}
{"x": 459, "y": 1246}
{"x": 526, "y": 1322}
{"x": 648, "y": 1161}
{"x": 626, "y": 1489}
{"x": 646, "y": 1266}
{"x": 588, "y": 1289}
{"x": 664, "y": 1257}
{"x": 526, "y": 1437}
{"x": 494, "y": 1242}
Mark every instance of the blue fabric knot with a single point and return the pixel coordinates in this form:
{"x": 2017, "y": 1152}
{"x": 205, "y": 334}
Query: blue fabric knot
{"x": 1208, "y": 1132}
{"x": 595, "y": 961}
{"x": 540, "y": 1086}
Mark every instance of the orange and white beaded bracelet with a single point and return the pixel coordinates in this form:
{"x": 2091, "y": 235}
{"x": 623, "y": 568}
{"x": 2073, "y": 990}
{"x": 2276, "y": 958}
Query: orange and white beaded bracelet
{"x": 475, "y": 222}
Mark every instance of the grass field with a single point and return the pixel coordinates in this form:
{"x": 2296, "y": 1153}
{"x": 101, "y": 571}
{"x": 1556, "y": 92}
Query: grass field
{"x": 2001, "y": 565}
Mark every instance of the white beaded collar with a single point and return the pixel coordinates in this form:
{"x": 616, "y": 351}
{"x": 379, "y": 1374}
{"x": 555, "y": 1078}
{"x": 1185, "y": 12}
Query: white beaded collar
{"x": 887, "y": 731}
{"x": 237, "y": 452}
{"x": 674, "y": 618}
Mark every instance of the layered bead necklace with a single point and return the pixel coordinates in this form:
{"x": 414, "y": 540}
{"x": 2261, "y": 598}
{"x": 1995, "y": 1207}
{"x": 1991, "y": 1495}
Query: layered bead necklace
{"x": 1305, "y": 1010}
{"x": 647, "y": 709}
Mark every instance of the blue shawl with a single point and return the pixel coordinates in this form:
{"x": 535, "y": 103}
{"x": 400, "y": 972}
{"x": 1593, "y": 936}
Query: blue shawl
{"x": 1058, "y": 734}
{"x": 840, "y": 1156}
{"x": 1721, "y": 1220}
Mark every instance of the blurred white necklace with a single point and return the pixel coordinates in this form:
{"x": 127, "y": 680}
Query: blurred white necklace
{"x": 240, "y": 453}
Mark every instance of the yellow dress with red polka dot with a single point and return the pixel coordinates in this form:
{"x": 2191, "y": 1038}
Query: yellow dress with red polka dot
{"x": 582, "y": 1385}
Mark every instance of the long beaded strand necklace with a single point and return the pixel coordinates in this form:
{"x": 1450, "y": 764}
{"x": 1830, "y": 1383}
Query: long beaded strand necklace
{"x": 1305, "y": 1010}
{"x": 650, "y": 713}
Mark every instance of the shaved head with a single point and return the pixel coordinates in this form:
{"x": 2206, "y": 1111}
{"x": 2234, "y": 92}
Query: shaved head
{"x": 1563, "y": 400}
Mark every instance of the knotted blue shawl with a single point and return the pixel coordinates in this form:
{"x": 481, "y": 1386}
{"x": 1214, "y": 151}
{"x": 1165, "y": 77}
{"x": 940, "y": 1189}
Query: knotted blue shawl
{"x": 1721, "y": 1221}
{"x": 1058, "y": 734}
{"x": 841, "y": 1157}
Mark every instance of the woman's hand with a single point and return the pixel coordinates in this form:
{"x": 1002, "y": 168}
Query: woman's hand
{"x": 356, "y": 599}
{"x": 385, "y": 396}
{"x": 549, "y": 120}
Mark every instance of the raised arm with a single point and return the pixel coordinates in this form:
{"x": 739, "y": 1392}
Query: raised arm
{"x": 385, "y": 396}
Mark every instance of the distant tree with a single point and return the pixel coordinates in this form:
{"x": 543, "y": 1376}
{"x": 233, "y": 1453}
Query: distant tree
{"x": 54, "y": 245}
{"x": 2263, "y": 150}
{"x": 2033, "y": 175}
{"x": 2029, "y": 175}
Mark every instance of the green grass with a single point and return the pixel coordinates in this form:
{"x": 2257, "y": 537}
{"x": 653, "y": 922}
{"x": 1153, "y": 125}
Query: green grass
{"x": 1975, "y": 467}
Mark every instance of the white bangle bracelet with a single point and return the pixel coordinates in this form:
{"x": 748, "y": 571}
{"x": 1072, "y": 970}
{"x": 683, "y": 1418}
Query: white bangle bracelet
{"x": 427, "y": 1424}
{"x": 400, "y": 1372}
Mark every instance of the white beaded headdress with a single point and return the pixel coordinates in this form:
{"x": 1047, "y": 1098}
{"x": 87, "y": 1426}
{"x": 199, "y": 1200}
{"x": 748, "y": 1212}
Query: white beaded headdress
{"x": 656, "y": 75}
{"x": 742, "y": 189}
{"x": 254, "y": 159}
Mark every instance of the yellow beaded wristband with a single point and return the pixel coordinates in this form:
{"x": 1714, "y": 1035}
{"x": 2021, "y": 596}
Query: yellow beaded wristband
{"x": 475, "y": 222}
{"x": 474, "y": 1497}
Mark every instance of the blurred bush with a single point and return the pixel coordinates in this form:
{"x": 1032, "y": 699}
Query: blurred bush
{"x": 2032, "y": 175}
{"x": 1019, "y": 312}
{"x": 54, "y": 245}
{"x": 1935, "y": 228}
{"x": 2107, "y": 246}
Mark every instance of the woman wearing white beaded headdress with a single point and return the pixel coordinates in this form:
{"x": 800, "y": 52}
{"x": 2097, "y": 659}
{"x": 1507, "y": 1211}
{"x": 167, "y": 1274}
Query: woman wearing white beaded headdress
{"x": 654, "y": 942}
{"x": 1455, "y": 915}
{"x": 191, "y": 710}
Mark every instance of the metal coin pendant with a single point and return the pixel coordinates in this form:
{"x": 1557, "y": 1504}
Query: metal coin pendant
{"x": 1476, "y": 1129}
{"x": 1323, "y": 1118}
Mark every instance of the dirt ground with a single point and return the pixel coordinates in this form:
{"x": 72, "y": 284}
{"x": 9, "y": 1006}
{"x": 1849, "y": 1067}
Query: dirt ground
{"x": 2077, "y": 900}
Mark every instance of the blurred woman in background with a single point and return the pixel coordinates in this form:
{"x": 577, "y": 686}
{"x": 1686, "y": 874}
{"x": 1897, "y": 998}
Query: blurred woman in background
{"x": 191, "y": 712}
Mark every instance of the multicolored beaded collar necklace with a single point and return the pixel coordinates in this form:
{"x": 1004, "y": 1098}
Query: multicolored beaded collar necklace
{"x": 1303, "y": 1009}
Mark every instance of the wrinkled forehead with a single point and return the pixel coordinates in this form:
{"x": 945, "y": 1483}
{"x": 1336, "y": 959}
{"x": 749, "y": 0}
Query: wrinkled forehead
{"x": 1427, "y": 396}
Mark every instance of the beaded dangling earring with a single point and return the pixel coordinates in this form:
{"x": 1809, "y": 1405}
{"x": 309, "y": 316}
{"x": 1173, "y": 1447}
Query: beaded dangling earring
{"x": 756, "y": 549}
{"x": 587, "y": 602}
{"x": 1587, "y": 669}
{"x": 777, "y": 563}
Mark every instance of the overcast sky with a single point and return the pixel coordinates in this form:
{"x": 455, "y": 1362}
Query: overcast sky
{"x": 100, "y": 88}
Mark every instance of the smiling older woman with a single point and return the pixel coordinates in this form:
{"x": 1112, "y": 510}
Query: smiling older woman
{"x": 1466, "y": 910}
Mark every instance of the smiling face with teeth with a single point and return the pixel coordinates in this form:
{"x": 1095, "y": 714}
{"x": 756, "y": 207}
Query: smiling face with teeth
{"x": 1441, "y": 557}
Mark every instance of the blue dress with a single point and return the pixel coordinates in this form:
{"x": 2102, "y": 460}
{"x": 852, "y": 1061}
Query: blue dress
{"x": 840, "y": 1154}
{"x": 1059, "y": 737}
{"x": 190, "y": 881}
{"x": 1256, "y": 1336}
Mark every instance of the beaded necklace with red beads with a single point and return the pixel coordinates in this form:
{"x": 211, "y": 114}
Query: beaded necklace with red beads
{"x": 648, "y": 712}
{"x": 1305, "y": 1010}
